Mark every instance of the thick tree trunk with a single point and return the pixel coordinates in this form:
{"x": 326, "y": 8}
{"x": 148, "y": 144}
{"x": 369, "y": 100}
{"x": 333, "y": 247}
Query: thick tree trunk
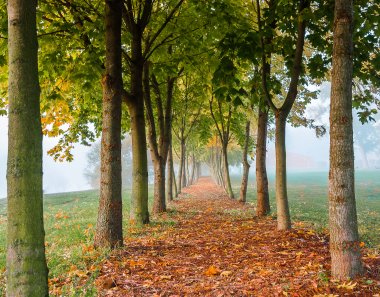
{"x": 109, "y": 227}
{"x": 283, "y": 213}
{"x": 169, "y": 178}
{"x": 227, "y": 178}
{"x": 139, "y": 200}
{"x": 263, "y": 206}
{"x": 27, "y": 273}
{"x": 344, "y": 238}
{"x": 159, "y": 202}
{"x": 244, "y": 181}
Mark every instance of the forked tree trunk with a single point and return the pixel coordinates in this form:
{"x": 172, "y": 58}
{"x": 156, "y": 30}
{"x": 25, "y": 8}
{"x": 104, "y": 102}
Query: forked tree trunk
{"x": 263, "y": 206}
{"x": 283, "y": 213}
{"x": 109, "y": 227}
{"x": 227, "y": 178}
{"x": 344, "y": 238}
{"x": 244, "y": 181}
{"x": 26, "y": 271}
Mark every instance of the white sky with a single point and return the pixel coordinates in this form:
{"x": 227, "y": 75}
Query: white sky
{"x": 58, "y": 177}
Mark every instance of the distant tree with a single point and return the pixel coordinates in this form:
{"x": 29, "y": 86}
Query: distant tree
{"x": 27, "y": 273}
{"x": 344, "y": 237}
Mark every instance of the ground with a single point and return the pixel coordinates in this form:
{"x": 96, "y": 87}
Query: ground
{"x": 216, "y": 247}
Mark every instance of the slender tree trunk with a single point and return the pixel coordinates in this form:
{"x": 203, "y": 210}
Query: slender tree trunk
{"x": 169, "y": 179}
{"x": 263, "y": 206}
{"x": 139, "y": 200}
{"x": 159, "y": 202}
{"x": 183, "y": 160}
{"x": 180, "y": 169}
{"x": 174, "y": 181}
{"x": 344, "y": 238}
{"x": 244, "y": 182}
{"x": 283, "y": 213}
{"x": 227, "y": 172}
{"x": 109, "y": 227}
{"x": 27, "y": 273}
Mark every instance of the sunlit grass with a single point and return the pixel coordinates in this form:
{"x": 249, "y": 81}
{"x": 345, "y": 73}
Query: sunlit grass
{"x": 308, "y": 200}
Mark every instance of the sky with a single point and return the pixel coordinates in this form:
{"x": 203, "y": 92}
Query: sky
{"x": 66, "y": 177}
{"x": 58, "y": 177}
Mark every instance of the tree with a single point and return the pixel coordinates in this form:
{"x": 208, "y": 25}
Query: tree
{"x": 27, "y": 271}
{"x": 109, "y": 228}
{"x": 244, "y": 182}
{"x": 281, "y": 114}
{"x": 344, "y": 237}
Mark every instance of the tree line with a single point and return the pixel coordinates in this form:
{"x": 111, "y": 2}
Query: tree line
{"x": 190, "y": 79}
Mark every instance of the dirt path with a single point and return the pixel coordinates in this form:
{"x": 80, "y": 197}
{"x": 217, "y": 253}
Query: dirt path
{"x": 217, "y": 248}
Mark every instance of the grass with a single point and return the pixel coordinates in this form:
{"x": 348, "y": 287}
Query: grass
{"x": 308, "y": 200}
{"x": 70, "y": 220}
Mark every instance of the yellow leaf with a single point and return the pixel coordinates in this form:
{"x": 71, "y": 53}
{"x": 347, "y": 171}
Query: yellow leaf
{"x": 212, "y": 270}
{"x": 226, "y": 273}
{"x": 347, "y": 286}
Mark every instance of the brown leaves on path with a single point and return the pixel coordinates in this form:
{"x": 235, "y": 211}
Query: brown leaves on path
{"x": 217, "y": 248}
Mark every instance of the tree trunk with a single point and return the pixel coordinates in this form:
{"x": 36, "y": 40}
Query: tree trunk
{"x": 183, "y": 160}
{"x": 109, "y": 227}
{"x": 227, "y": 179}
{"x": 244, "y": 182}
{"x": 139, "y": 200}
{"x": 174, "y": 180}
{"x": 283, "y": 214}
{"x": 27, "y": 273}
{"x": 169, "y": 179}
{"x": 263, "y": 206}
{"x": 159, "y": 202}
{"x": 344, "y": 238}
{"x": 180, "y": 169}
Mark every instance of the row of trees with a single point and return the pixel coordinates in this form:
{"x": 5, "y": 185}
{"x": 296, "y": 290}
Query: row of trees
{"x": 186, "y": 77}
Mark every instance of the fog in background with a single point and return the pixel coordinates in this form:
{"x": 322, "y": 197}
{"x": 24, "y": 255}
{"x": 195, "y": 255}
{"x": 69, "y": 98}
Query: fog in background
{"x": 305, "y": 152}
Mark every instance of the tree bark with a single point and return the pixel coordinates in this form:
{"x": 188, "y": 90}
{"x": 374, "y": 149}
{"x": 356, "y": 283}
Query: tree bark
{"x": 227, "y": 178}
{"x": 344, "y": 238}
{"x": 283, "y": 213}
{"x": 263, "y": 206}
{"x": 159, "y": 202}
{"x": 27, "y": 273}
{"x": 183, "y": 167}
{"x": 169, "y": 178}
{"x": 109, "y": 227}
{"x": 244, "y": 182}
{"x": 139, "y": 200}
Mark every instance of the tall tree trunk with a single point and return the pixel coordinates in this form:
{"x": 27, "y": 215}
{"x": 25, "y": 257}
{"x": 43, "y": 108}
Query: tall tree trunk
{"x": 183, "y": 160}
{"x": 227, "y": 178}
{"x": 169, "y": 178}
{"x": 244, "y": 181}
{"x": 179, "y": 187}
{"x": 159, "y": 202}
{"x": 139, "y": 200}
{"x": 283, "y": 213}
{"x": 109, "y": 227}
{"x": 27, "y": 273}
{"x": 344, "y": 238}
{"x": 263, "y": 206}
{"x": 174, "y": 180}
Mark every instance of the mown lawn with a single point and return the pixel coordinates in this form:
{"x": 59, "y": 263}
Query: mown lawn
{"x": 70, "y": 220}
{"x": 307, "y": 193}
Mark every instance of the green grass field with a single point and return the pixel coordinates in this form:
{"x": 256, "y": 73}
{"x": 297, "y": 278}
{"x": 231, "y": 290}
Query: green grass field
{"x": 70, "y": 220}
{"x": 307, "y": 193}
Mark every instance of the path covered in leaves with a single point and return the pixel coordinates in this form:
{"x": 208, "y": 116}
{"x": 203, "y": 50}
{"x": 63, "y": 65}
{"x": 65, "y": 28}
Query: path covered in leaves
{"x": 217, "y": 248}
